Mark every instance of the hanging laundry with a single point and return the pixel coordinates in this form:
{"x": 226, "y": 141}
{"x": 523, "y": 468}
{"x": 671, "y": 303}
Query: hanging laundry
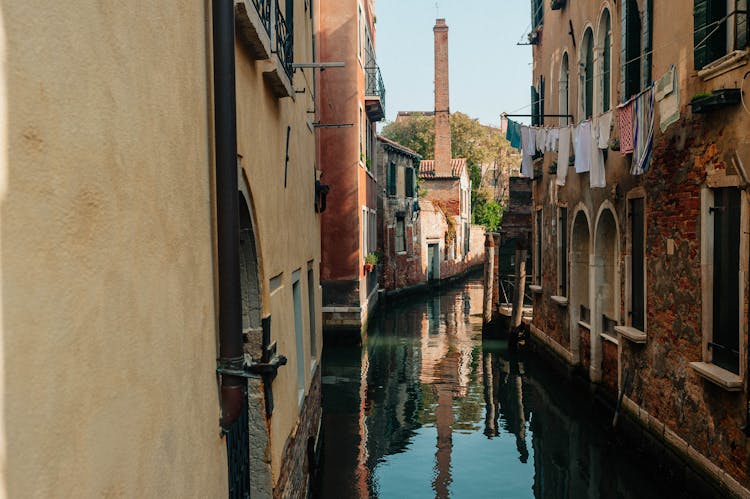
{"x": 527, "y": 163}
{"x": 513, "y": 134}
{"x": 625, "y": 121}
{"x": 643, "y": 134}
{"x": 553, "y": 135}
{"x": 597, "y": 176}
{"x": 667, "y": 94}
{"x": 582, "y": 146}
{"x": 532, "y": 141}
{"x": 563, "y": 154}
{"x": 604, "y": 129}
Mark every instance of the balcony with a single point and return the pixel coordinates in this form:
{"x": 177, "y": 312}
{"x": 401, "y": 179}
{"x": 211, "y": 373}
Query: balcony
{"x": 269, "y": 39}
{"x": 374, "y": 93}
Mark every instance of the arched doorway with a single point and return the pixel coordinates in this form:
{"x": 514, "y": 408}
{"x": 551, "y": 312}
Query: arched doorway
{"x": 605, "y": 313}
{"x": 579, "y": 285}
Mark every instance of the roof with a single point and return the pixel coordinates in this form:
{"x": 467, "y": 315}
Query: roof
{"x": 427, "y": 169}
{"x": 398, "y": 147}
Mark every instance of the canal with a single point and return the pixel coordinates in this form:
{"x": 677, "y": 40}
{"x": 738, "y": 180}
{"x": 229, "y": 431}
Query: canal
{"x": 425, "y": 408}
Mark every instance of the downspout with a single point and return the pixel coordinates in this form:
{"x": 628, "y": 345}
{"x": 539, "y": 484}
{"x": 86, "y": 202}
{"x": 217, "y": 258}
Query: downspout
{"x": 231, "y": 357}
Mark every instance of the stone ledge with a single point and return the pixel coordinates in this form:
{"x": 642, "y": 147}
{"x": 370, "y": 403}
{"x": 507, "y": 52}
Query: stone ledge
{"x": 560, "y": 300}
{"x": 609, "y": 338}
{"x": 631, "y": 334}
{"x": 732, "y": 60}
{"x": 535, "y": 289}
{"x": 584, "y": 325}
{"x": 721, "y": 377}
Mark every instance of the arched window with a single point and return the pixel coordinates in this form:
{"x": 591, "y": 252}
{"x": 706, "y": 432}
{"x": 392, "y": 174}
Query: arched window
{"x": 586, "y": 73}
{"x": 563, "y": 89}
{"x": 604, "y": 59}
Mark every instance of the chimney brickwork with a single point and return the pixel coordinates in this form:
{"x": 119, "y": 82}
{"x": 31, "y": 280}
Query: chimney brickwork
{"x": 442, "y": 101}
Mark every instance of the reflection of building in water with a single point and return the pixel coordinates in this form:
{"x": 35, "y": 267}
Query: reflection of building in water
{"x": 504, "y": 397}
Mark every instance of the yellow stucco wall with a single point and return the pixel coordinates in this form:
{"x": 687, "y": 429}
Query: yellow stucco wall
{"x": 107, "y": 288}
{"x": 288, "y": 229}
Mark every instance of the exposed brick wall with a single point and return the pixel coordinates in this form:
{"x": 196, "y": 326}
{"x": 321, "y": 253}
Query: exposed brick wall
{"x": 294, "y": 481}
{"x": 609, "y": 366}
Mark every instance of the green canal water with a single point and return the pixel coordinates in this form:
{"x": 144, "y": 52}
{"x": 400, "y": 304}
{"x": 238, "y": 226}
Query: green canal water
{"x": 425, "y": 408}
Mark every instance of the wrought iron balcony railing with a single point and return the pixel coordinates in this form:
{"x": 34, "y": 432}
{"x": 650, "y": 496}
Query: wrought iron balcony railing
{"x": 284, "y": 43}
{"x": 374, "y": 84}
{"x": 264, "y": 12}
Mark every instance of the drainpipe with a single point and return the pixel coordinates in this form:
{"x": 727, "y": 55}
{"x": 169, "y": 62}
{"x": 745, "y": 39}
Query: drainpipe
{"x": 231, "y": 357}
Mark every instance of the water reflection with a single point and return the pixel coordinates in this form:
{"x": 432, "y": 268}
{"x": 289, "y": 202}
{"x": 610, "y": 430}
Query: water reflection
{"x": 424, "y": 408}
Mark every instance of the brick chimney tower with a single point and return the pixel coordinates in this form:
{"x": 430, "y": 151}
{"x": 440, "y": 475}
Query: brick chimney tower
{"x": 443, "y": 153}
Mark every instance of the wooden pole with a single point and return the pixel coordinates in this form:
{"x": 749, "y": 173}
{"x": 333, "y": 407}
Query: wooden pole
{"x": 489, "y": 276}
{"x": 518, "y": 292}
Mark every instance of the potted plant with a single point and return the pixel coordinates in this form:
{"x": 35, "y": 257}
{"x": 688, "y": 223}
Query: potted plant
{"x": 371, "y": 260}
{"x": 557, "y": 4}
{"x": 553, "y": 168}
{"x": 703, "y": 103}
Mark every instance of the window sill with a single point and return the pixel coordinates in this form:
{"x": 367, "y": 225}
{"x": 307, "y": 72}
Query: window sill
{"x": 721, "y": 377}
{"x": 400, "y": 253}
{"x": 535, "y": 289}
{"x": 609, "y": 338}
{"x": 631, "y": 334}
{"x": 584, "y": 325}
{"x": 560, "y": 300}
{"x": 732, "y": 60}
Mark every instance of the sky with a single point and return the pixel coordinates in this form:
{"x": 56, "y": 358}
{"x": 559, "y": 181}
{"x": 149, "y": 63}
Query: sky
{"x": 489, "y": 73}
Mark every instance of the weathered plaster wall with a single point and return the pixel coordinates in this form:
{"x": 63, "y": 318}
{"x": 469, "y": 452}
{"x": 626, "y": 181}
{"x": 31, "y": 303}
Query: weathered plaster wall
{"x": 262, "y": 129}
{"x": 107, "y": 284}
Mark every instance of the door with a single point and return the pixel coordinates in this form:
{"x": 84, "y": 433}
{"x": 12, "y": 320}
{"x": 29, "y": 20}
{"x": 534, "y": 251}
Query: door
{"x": 433, "y": 262}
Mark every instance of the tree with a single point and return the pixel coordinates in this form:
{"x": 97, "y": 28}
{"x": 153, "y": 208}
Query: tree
{"x": 489, "y": 214}
{"x": 479, "y": 144}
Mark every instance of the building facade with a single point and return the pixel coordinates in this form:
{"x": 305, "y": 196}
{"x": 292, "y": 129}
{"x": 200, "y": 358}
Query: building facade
{"x": 640, "y": 275}
{"x": 155, "y": 238}
{"x": 398, "y": 217}
{"x": 350, "y": 103}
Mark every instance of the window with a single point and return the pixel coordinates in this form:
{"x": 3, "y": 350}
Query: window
{"x": 365, "y": 231}
{"x": 537, "y": 103}
{"x": 719, "y": 26}
{"x": 587, "y": 74}
{"x": 297, "y": 305}
{"x": 562, "y": 251}
{"x": 311, "y": 311}
{"x": 724, "y": 222}
{"x": 391, "y": 180}
{"x": 563, "y": 89}
{"x": 410, "y": 182}
{"x": 631, "y": 49}
{"x": 400, "y": 235}
{"x": 538, "y": 249}
{"x": 637, "y": 274}
{"x": 604, "y": 58}
{"x": 537, "y": 13}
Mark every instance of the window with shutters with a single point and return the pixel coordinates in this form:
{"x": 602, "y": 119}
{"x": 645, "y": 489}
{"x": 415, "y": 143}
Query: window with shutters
{"x": 400, "y": 235}
{"x": 391, "y": 180}
{"x": 586, "y": 65}
{"x": 724, "y": 259}
{"x": 562, "y": 251}
{"x": 603, "y": 72}
{"x": 636, "y": 263}
{"x": 631, "y": 49}
{"x": 537, "y": 13}
{"x": 538, "y": 248}
{"x": 409, "y": 182}
{"x": 719, "y": 26}
{"x": 563, "y": 89}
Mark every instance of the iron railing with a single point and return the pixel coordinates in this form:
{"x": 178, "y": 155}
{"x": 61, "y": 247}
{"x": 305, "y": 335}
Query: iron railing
{"x": 284, "y": 43}
{"x": 374, "y": 84}
{"x": 264, "y": 12}
{"x": 507, "y": 287}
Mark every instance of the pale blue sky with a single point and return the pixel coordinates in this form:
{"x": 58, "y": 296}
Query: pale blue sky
{"x": 489, "y": 73}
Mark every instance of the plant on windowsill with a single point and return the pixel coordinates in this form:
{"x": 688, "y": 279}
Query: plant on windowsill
{"x": 703, "y": 103}
{"x": 371, "y": 260}
{"x": 557, "y": 4}
{"x": 535, "y": 37}
{"x": 552, "y": 168}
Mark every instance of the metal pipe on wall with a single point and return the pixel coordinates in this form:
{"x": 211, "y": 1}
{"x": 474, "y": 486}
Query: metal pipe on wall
{"x": 227, "y": 213}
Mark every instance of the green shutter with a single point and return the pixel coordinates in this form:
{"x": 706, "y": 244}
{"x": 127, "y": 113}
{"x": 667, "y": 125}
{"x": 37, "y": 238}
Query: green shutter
{"x": 709, "y": 40}
{"x": 700, "y": 21}
{"x": 648, "y": 30}
{"x": 541, "y": 100}
{"x": 741, "y": 26}
{"x": 409, "y": 182}
{"x": 631, "y": 49}
{"x": 391, "y": 179}
{"x": 534, "y": 106}
{"x": 607, "y": 66}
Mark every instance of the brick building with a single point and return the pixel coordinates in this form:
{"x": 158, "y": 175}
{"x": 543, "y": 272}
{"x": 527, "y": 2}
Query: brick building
{"x": 350, "y": 101}
{"x": 643, "y": 283}
{"x": 398, "y": 213}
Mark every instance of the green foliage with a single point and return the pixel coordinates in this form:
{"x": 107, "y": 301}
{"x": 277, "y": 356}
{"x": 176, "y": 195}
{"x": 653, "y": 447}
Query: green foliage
{"x": 372, "y": 258}
{"x": 489, "y": 214}
{"x": 416, "y": 133}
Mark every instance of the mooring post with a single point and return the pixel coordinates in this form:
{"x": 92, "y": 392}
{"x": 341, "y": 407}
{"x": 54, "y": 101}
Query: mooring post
{"x": 489, "y": 276}
{"x": 518, "y": 293}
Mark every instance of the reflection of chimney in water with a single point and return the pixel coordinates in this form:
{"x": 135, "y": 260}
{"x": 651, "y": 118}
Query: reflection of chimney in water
{"x": 442, "y": 99}
{"x": 488, "y": 377}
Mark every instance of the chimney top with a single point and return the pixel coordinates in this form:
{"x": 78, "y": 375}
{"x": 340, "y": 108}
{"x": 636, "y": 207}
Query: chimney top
{"x": 440, "y": 23}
